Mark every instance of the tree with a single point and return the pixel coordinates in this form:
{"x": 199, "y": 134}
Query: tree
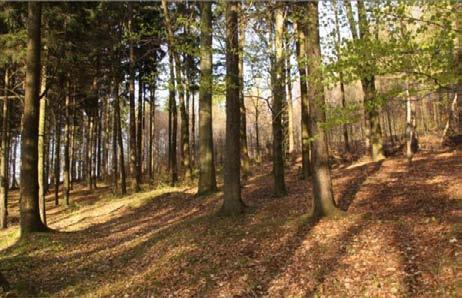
{"x": 29, "y": 205}
{"x": 301, "y": 61}
{"x": 4, "y": 156}
{"x": 207, "y": 179}
{"x": 245, "y": 163}
{"x": 132, "y": 123}
{"x": 323, "y": 198}
{"x": 232, "y": 201}
{"x": 278, "y": 101}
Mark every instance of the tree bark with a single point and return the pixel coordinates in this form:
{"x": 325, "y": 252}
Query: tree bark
{"x": 371, "y": 108}
{"x": 245, "y": 163}
{"x": 173, "y": 126}
{"x": 232, "y": 202}
{"x": 323, "y": 198}
{"x": 139, "y": 135}
{"x": 305, "y": 130}
{"x": 29, "y": 204}
{"x": 185, "y": 152}
{"x": 41, "y": 149}
{"x": 57, "y": 156}
{"x": 67, "y": 145}
{"x": 132, "y": 120}
{"x": 4, "y": 156}
{"x": 277, "y": 107}
{"x": 207, "y": 176}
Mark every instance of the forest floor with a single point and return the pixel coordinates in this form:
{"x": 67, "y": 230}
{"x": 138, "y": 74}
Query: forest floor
{"x": 402, "y": 236}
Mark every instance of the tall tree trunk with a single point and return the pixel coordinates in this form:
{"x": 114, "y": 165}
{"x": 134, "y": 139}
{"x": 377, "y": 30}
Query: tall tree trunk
{"x": 139, "y": 135}
{"x": 57, "y": 155}
{"x": 277, "y": 107}
{"x": 245, "y": 163}
{"x": 41, "y": 148}
{"x": 207, "y": 178}
{"x": 115, "y": 172}
{"x": 290, "y": 112}
{"x": 323, "y": 198}
{"x": 304, "y": 125}
{"x": 342, "y": 85}
{"x": 90, "y": 152}
{"x": 132, "y": 120}
{"x": 123, "y": 182}
{"x": 4, "y": 156}
{"x": 232, "y": 202}
{"x": 257, "y": 133}
{"x": 173, "y": 125}
{"x": 67, "y": 145}
{"x": 185, "y": 152}
{"x": 372, "y": 110}
{"x": 152, "y": 115}
{"x": 29, "y": 203}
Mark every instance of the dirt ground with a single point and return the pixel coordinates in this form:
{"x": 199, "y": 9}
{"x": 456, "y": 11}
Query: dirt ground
{"x": 402, "y": 237}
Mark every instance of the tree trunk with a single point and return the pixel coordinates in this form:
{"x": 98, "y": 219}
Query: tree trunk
{"x": 29, "y": 203}
{"x": 290, "y": 120}
{"x": 185, "y": 152}
{"x": 305, "y": 132}
{"x": 173, "y": 125}
{"x": 277, "y": 107}
{"x": 57, "y": 155}
{"x": 232, "y": 202}
{"x": 115, "y": 172}
{"x": 371, "y": 108}
{"x": 4, "y": 156}
{"x": 207, "y": 178}
{"x": 342, "y": 85}
{"x": 139, "y": 136}
{"x": 67, "y": 145}
{"x": 323, "y": 198}
{"x": 411, "y": 138}
{"x": 152, "y": 115}
{"x": 123, "y": 182}
{"x": 132, "y": 120}
{"x": 245, "y": 165}
{"x": 41, "y": 149}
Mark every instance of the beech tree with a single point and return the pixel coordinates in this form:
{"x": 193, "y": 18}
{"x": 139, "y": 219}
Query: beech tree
{"x": 207, "y": 179}
{"x": 232, "y": 201}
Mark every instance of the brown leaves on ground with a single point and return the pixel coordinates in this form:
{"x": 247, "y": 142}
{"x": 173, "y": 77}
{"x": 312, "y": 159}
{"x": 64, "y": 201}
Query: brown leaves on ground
{"x": 402, "y": 237}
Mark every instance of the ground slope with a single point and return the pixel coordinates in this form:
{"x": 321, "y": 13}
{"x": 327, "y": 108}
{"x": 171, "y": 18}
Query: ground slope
{"x": 402, "y": 237}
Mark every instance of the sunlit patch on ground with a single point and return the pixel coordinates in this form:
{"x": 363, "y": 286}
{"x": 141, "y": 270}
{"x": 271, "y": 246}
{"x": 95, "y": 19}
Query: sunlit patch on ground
{"x": 402, "y": 237}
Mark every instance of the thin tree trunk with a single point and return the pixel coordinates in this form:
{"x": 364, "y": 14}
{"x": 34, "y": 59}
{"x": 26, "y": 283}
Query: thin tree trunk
{"x": 245, "y": 164}
{"x": 411, "y": 138}
{"x": 139, "y": 136}
{"x": 29, "y": 204}
{"x": 4, "y": 156}
{"x": 173, "y": 125}
{"x": 290, "y": 112}
{"x": 232, "y": 202}
{"x": 185, "y": 152}
{"x": 305, "y": 132}
{"x": 207, "y": 178}
{"x": 57, "y": 155}
{"x": 123, "y": 182}
{"x": 342, "y": 85}
{"x": 41, "y": 149}
{"x": 132, "y": 120}
{"x": 67, "y": 144}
